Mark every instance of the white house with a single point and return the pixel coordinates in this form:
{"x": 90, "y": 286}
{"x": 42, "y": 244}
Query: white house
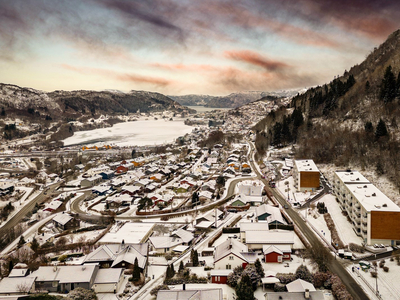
{"x": 231, "y": 254}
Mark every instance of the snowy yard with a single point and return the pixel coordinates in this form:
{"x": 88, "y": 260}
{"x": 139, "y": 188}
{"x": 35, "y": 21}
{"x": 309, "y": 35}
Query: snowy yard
{"x": 388, "y": 282}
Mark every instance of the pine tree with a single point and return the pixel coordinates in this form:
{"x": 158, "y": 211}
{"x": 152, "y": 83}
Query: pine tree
{"x": 381, "y": 129}
{"x": 136, "y": 271}
{"x": 367, "y": 86}
{"x": 195, "y": 258}
{"x": 388, "y": 86}
{"x": 181, "y": 267}
{"x": 244, "y": 290}
{"x": 259, "y": 268}
{"x": 398, "y": 85}
{"x": 369, "y": 127}
{"x": 21, "y": 242}
{"x": 34, "y": 244}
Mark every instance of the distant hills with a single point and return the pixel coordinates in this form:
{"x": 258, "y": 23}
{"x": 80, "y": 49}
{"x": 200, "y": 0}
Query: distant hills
{"x": 30, "y": 103}
{"x": 233, "y": 100}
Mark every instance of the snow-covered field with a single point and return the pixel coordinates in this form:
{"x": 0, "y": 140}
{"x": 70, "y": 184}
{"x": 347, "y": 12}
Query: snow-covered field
{"x": 139, "y": 133}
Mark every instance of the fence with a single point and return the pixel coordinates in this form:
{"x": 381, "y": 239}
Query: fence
{"x": 376, "y": 293}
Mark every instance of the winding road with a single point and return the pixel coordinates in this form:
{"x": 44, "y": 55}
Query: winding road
{"x": 334, "y": 265}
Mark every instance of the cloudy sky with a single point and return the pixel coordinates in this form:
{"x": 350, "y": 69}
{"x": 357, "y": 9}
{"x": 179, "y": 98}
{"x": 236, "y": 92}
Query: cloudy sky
{"x": 187, "y": 46}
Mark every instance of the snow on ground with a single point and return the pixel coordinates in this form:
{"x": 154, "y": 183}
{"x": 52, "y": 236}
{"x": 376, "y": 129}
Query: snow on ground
{"x": 26, "y": 198}
{"x": 138, "y": 133}
{"x": 388, "y": 283}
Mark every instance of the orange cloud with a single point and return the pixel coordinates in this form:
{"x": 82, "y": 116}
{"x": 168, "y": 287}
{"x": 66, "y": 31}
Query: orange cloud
{"x": 255, "y": 59}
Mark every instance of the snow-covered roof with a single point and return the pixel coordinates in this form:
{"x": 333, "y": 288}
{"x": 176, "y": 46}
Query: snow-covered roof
{"x": 271, "y": 237}
{"x": 222, "y": 272}
{"x": 230, "y": 246}
{"x": 131, "y": 233}
{"x": 161, "y": 242}
{"x": 18, "y": 272}
{"x": 351, "y": 177}
{"x": 371, "y": 198}
{"x": 108, "y": 276}
{"x": 274, "y": 214}
{"x": 65, "y": 274}
{"x": 207, "y": 294}
{"x": 62, "y": 218}
{"x": 12, "y": 285}
{"x": 186, "y": 236}
{"x": 299, "y": 285}
{"x": 253, "y": 226}
{"x": 130, "y": 253}
{"x": 306, "y": 165}
{"x": 278, "y": 249}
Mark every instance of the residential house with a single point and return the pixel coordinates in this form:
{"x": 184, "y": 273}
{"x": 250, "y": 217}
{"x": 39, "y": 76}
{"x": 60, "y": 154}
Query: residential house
{"x": 276, "y": 254}
{"x": 53, "y": 205}
{"x": 101, "y": 190}
{"x": 121, "y": 170}
{"x": 131, "y": 190}
{"x": 64, "y": 221}
{"x": 108, "y": 280}
{"x": 220, "y": 276}
{"x": 270, "y": 214}
{"x": 251, "y": 226}
{"x": 64, "y": 278}
{"x": 306, "y": 295}
{"x": 231, "y": 254}
{"x": 119, "y": 256}
{"x": 91, "y": 181}
{"x": 209, "y": 219}
{"x": 10, "y": 286}
{"x": 107, "y": 174}
{"x": 206, "y": 294}
{"x": 255, "y": 240}
{"x": 300, "y": 285}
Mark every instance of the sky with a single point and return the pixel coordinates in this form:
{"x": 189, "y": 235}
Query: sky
{"x": 179, "y": 47}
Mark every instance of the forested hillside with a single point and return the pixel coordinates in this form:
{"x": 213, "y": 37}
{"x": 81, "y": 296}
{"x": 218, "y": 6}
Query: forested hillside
{"x": 351, "y": 121}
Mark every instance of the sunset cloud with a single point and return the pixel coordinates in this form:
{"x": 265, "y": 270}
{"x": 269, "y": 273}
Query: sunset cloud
{"x": 256, "y": 60}
{"x": 178, "y": 46}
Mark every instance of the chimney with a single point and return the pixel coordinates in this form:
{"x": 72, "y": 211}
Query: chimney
{"x": 184, "y": 287}
{"x": 54, "y": 268}
{"x": 307, "y": 294}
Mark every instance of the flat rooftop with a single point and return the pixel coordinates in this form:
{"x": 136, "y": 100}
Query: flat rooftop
{"x": 351, "y": 177}
{"x": 131, "y": 233}
{"x": 371, "y": 198}
{"x": 306, "y": 165}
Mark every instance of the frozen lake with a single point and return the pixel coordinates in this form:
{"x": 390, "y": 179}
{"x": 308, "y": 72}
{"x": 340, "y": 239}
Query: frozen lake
{"x": 138, "y": 133}
{"x": 201, "y": 109}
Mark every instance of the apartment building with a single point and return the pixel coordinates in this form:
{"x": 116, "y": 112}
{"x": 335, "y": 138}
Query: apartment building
{"x": 373, "y": 215}
{"x": 306, "y": 175}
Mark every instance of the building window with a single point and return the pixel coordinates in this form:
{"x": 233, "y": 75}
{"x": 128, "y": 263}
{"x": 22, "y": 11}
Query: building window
{"x": 218, "y": 278}
{"x": 228, "y": 267}
{"x": 231, "y": 257}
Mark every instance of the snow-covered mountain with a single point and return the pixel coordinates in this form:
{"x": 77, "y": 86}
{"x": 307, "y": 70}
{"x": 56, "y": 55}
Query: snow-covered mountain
{"x": 28, "y": 102}
{"x": 232, "y": 100}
